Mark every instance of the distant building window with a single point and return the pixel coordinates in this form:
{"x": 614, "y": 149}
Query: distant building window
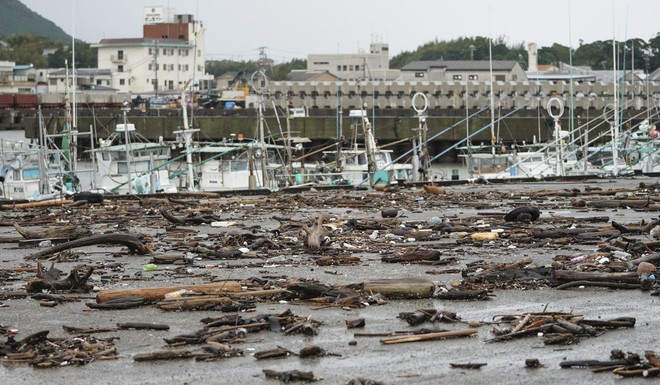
{"x": 120, "y": 54}
{"x": 419, "y": 74}
{"x": 350, "y": 67}
{"x": 458, "y": 77}
{"x": 150, "y": 52}
{"x": 321, "y": 63}
{"x": 122, "y": 82}
{"x": 500, "y": 78}
{"x": 473, "y": 77}
{"x": 200, "y": 68}
{"x": 199, "y": 52}
{"x": 99, "y": 82}
{"x": 514, "y": 77}
{"x": 120, "y": 68}
{"x": 148, "y": 81}
{"x": 345, "y": 69}
{"x": 338, "y": 68}
{"x": 171, "y": 67}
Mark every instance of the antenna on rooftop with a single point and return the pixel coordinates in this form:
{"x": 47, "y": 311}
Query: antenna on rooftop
{"x": 264, "y": 63}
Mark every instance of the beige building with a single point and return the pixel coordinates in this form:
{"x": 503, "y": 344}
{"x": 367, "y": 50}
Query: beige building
{"x": 358, "y": 66}
{"x": 468, "y": 70}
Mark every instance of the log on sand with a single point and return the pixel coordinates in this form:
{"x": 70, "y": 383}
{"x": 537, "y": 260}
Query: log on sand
{"x": 401, "y": 288}
{"x": 158, "y": 293}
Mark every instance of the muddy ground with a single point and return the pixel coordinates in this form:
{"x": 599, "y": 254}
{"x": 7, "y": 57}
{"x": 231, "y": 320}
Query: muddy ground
{"x": 350, "y": 356}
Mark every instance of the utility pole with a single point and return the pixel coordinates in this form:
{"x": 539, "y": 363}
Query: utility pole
{"x": 155, "y": 60}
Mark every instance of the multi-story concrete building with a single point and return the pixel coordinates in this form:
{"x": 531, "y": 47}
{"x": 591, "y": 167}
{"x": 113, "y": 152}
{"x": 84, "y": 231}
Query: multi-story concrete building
{"x": 168, "y": 55}
{"x": 374, "y": 65}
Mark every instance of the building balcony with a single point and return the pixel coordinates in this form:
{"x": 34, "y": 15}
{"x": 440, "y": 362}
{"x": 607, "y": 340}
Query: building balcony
{"x": 118, "y": 59}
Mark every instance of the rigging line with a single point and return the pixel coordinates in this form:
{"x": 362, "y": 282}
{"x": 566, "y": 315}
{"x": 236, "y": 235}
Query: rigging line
{"x": 478, "y": 131}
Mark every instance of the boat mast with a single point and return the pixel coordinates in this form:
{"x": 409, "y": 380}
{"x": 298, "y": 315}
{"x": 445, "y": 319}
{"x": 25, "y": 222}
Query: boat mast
{"x": 260, "y": 85}
{"x": 615, "y": 124}
{"x": 187, "y": 133}
{"x": 127, "y": 141}
{"x": 492, "y": 95}
{"x": 43, "y": 153}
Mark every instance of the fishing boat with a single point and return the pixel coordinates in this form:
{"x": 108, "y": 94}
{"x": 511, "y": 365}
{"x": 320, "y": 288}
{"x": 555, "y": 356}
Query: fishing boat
{"x": 129, "y": 164}
{"x": 236, "y": 165}
{"x": 356, "y": 162}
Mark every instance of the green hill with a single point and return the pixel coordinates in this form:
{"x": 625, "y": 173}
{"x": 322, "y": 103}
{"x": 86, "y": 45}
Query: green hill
{"x": 15, "y": 17}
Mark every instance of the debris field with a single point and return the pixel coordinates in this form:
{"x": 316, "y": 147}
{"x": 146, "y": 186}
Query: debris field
{"x": 395, "y": 285}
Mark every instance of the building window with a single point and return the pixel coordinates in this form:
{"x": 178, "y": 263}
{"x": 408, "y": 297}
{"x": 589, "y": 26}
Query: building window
{"x": 344, "y": 67}
{"x": 458, "y": 77}
{"x": 350, "y": 67}
{"x": 171, "y": 67}
{"x": 53, "y": 82}
{"x": 200, "y": 68}
{"x": 99, "y": 82}
{"x": 500, "y": 78}
{"x": 148, "y": 81}
{"x": 473, "y": 77}
{"x": 120, "y": 55}
{"x": 150, "y": 52}
{"x": 419, "y": 74}
{"x": 164, "y": 51}
{"x": 199, "y": 52}
{"x": 338, "y": 68}
{"x": 120, "y": 68}
{"x": 179, "y": 67}
{"x": 514, "y": 77}
{"x": 122, "y": 82}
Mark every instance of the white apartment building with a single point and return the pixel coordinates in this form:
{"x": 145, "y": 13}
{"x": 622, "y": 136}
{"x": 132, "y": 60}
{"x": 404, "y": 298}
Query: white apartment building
{"x": 168, "y": 56}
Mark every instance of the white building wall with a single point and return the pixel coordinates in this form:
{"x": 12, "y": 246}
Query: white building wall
{"x": 141, "y": 66}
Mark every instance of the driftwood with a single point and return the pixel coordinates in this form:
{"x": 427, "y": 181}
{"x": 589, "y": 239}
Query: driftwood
{"x": 142, "y": 326}
{"x": 401, "y": 288}
{"x": 31, "y": 205}
{"x": 192, "y": 219}
{"x": 163, "y": 355}
{"x": 70, "y": 232}
{"x": 193, "y": 303}
{"x": 133, "y": 242}
{"x": 314, "y": 235}
{"x": 428, "y": 336}
{"x": 117, "y": 304}
{"x": 569, "y": 275}
{"x": 75, "y": 281}
{"x": 290, "y": 375}
{"x": 158, "y": 293}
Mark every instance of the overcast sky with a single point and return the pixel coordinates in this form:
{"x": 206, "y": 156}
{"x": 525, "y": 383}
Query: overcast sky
{"x": 294, "y": 28}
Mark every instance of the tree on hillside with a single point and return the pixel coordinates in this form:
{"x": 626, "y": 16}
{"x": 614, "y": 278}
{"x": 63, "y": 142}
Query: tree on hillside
{"x": 86, "y": 56}
{"x": 470, "y": 48}
{"x": 27, "y": 49}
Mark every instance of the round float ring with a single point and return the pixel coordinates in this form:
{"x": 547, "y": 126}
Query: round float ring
{"x": 414, "y": 104}
{"x": 560, "y": 106}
